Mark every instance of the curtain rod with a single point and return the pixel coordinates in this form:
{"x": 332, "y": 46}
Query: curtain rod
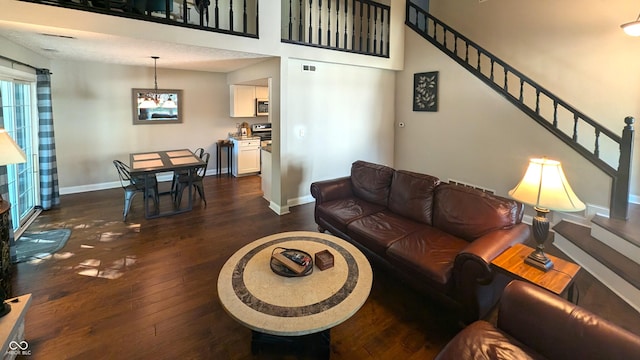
{"x": 18, "y": 62}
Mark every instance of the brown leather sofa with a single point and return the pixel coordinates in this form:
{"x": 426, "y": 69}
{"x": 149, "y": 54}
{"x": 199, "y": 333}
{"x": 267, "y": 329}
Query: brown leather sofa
{"x": 536, "y": 324}
{"x": 439, "y": 238}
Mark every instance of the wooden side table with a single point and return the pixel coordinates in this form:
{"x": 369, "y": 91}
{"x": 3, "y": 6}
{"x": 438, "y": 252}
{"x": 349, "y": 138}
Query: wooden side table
{"x": 557, "y": 280}
{"x": 228, "y": 146}
{"x": 12, "y": 328}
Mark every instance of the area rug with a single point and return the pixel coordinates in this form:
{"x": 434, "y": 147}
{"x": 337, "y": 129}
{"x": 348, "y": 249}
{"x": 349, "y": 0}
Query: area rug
{"x": 40, "y": 244}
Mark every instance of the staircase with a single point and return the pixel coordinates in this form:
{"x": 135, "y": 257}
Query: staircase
{"x": 578, "y": 131}
{"x": 608, "y": 248}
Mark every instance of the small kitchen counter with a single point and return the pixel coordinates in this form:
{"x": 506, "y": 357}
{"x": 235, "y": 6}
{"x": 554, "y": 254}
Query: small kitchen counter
{"x": 243, "y": 138}
{"x": 246, "y": 155}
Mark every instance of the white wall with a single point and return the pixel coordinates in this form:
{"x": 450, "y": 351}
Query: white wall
{"x": 322, "y": 122}
{"x": 574, "y": 48}
{"x": 335, "y": 116}
{"x": 92, "y": 109}
{"x": 16, "y": 52}
{"x": 477, "y": 136}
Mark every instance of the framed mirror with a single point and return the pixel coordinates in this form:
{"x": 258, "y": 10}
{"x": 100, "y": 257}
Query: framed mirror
{"x": 156, "y": 106}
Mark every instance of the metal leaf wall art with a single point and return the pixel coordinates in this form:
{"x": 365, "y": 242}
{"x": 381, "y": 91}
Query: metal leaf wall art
{"x": 425, "y": 91}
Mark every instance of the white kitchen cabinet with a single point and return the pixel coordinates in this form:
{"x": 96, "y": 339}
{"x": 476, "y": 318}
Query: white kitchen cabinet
{"x": 242, "y": 101}
{"x": 262, "y": 92}
{"x": 246, "y": 156}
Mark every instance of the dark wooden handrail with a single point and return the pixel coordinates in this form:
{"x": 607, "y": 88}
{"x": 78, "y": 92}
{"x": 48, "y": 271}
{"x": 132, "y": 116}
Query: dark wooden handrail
{"x": 472, "y": 57}
{"x": 206, "y": 14}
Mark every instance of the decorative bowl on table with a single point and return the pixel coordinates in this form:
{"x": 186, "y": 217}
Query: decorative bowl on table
{"x": 291, "y": 262}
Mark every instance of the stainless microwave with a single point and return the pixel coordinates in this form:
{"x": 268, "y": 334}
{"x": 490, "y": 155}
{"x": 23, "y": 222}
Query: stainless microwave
{"x": 262, "y": 107}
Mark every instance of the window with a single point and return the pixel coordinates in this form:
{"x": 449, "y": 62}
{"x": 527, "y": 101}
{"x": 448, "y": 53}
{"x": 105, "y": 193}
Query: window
{"x": 18, "y": 116}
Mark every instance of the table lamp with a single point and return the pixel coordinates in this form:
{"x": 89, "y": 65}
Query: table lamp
{"x": 10, "y": 153}
{"x": 544, "y": 187}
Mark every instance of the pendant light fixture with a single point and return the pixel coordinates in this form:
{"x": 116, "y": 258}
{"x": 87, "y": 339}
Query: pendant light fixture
{"x": 148, "y": 102}
{"x": 632, "y": 28}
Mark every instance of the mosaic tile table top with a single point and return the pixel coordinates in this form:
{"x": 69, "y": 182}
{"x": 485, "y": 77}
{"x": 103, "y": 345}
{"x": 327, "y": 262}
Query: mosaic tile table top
{"x": 291, "y": 306}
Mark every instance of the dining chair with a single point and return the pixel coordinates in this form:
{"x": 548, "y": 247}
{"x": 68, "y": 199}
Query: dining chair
{"x": 199, "y": 152}
{"x": 196, "y": 179}
{"x": 133, "y": 185}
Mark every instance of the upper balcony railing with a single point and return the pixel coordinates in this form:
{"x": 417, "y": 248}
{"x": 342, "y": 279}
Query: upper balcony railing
{"x": 357, "y": 26}
{"x": 239, "y": 17}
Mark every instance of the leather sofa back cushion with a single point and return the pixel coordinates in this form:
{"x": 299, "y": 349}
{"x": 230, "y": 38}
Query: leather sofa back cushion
{"x": 412, "y": 195}
{"x": 469, "y": 213}
{"x": 371, "y": 182}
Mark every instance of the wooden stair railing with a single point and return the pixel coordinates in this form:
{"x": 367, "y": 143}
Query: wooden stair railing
{"x": 536, "y": 101}
{"x": 244, "y": 13}
{"x": 356, "y": 26}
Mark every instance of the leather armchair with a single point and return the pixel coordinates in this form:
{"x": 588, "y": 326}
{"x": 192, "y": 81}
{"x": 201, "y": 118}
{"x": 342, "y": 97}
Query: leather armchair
{"x": 534, "y": 323}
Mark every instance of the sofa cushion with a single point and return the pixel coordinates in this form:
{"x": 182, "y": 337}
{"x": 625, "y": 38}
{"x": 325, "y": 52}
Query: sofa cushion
{"x": 411, "y": 195}
{"x": 339, "y": 213}
{"x": 469, "y": 213}
{"x": 481, "y": 340}
{"x": 430, "y": 252}
{"x": 371, "y": 182}
{"x": 379, "y": 230}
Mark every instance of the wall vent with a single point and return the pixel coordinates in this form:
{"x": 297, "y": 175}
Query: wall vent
{"x": 461, "y": 183}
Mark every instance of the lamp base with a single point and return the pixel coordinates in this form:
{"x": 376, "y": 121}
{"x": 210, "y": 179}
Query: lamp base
{"x": 538, "y": 260}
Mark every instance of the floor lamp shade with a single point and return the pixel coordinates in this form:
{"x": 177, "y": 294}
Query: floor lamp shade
{"x": 10, "y": 152}
{"x": 545, "y": 187}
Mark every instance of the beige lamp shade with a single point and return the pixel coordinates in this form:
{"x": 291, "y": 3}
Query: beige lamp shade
{"x": 545, "y": 186}
{"x": 10, "y": 152}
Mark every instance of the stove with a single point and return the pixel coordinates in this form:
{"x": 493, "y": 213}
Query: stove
{"x": 263, "y": 131}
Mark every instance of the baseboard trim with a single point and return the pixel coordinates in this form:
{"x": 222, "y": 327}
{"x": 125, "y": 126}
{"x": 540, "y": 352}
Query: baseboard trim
{"x": 280, "y": 210}
{"x": 300, "y": 200}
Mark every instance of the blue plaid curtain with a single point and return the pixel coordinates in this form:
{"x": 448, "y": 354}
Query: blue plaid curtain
{"x": 49, "y": 192}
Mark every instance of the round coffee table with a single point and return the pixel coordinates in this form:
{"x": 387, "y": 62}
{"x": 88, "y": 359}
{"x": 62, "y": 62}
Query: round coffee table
{"x": 281, "y": 308}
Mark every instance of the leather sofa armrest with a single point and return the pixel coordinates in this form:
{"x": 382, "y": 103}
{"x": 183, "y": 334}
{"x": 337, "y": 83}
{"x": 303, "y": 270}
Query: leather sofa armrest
{"x": 489, "y": 246}
{"x": 333, "y": 189}
{"x": 474, "y": 279}
{"x": 486, "y": 248}
{"x": 558, "y": 329}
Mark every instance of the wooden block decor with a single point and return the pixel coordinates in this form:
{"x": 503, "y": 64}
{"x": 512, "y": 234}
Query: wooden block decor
{"x": 324, "y": 259}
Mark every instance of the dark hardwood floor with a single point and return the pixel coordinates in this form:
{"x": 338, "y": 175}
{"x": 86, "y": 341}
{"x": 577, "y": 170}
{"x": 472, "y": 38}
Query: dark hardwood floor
{"x": 146, "y": 289}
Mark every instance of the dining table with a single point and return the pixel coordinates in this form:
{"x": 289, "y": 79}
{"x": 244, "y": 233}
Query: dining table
{"x": 147, "y": 164}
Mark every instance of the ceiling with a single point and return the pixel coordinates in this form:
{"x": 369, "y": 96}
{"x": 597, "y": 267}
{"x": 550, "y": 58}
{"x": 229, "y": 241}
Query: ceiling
{"x": 57, "y": 44}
